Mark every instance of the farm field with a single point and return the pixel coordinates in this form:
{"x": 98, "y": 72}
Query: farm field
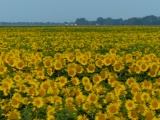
{"x": 80, "y": 73}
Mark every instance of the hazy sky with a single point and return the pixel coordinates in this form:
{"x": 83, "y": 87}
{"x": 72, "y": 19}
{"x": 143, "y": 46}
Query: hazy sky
{"x": 69, "y": 10}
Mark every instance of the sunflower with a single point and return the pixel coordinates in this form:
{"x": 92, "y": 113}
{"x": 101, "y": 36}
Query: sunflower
{"x": 83, "y": 61}
{"x": 137, "y": 69}
{"x": 25, "y": 100}
{"x": 112, "y": 109}
{"x": 62, "y": 81}
{"x": 48, "y": 62}
{"x": 149, "y": 115}
{"x": 103, "y": 74}
{"x": 40, "y": 74}
{"x": 145, "y": 96}
{"x": 152, "y": 73}
{"x": 102, "y": 57}
{"x": 17, "y": 78}
{"x": 70, "y": 57}
{"x": 75, "y": 80}
{"x": 80, "y": 99}
{"x": 99, "y": 63}
{"x": 53, "y": 90}
{"x": 31, "y": 91}
{"x": 38, "y": 102}
{"x": 58, "y": 55}
{"x": 71, "y": 72}
{"x": 142, "y": 108}
{"x": 130, "y": 105}
{"x": 96, "y": 79}
{"x": 92, "y": 98}
{"x": 51, "y": 117}
{"x": 139, "y": 62}
{"x": 77, "y": 91}
{"x": 135, "y": 88}
{"x": 17, "y": 96}
{"x": 120, "y": 91}
{"x": 129, "y": 63}
{"x": 86, "y": 105}
{"x": 71, "y": 65}
{"x": 39, "y": 55}
{"x": 154, "y": 66}
{"x": 78, "y": 57}
{"x": 131, "y": 70}
{"x": 41, "y": 92}
{"x": 85, "y": 80}
{"x": 117, "y": 67}
{"x": 156, "y": 85}
{"x": 20, "y": 64}
{"x": 79, "y": 69}
{"x": 45, "y": 85}
{"x": 112, "y": 51}
{"x": 3, "y": 69}
{"x": 70, "y": 107}
{"x": 130, "y": 81}
{"x": 32, "y": 60}
{"x": 88, "y": 54}
{"x": 115, "y": 84}
{"x": 50, "y": 112}
{"x": 147, "y": 84}
{"x": 15, "y": 102}
{"x": 50, "y": 71}
{"x": 5, "y": 87}
{"x": 69, "y": 100}
{"x": 113, "y": 60}
{"x": 132, "y": 114}
{"x": 154, "y": 104}
{"x": 100, "y": 116}
{"x": 82, "y": 117}
{"x": 90, "y": 68}
{"x": 57, "y": 65}
{"x": 97, "y": 56}
{"x": 128, "y": 56}
{"x": 88, "y": 86}
{"x": 14, "y": 115}
{"x": 137, "y": 97}
{"x": 144, "y": 66}
{"x": 11, "y": 62}
{"x": 107, "y": 61}
{"x": 111, "y": 80}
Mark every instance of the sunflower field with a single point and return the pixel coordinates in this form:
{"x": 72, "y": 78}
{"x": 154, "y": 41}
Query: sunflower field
{"x": 80, "y": 73}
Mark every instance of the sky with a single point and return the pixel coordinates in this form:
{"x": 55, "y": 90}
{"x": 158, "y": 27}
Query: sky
{"x": 70, "y": 10}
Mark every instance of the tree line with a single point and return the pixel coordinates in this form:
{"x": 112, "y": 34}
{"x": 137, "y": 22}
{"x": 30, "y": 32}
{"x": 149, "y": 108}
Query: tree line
{"x": 147, "y": 20}
{"x": 30, "y": 24}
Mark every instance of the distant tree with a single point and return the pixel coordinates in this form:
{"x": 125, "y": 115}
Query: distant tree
{"x": 109, "y": 21}
{"x": 100, "y": 21}
{"x": 118, "y": 21}
{"x": 151, "y": 20}
{"x": 134, "y": 21}
{"x": 81, "y": 21}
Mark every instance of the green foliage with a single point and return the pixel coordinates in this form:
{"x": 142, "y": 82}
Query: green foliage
{"x": 2, "y": 112}
{"x": 123, "y": 110}
{"x": 66, "y": 115}
{"x": 27, "y": 113}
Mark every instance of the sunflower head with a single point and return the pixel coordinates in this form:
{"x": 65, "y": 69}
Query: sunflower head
{"x": 38, "y": 102}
